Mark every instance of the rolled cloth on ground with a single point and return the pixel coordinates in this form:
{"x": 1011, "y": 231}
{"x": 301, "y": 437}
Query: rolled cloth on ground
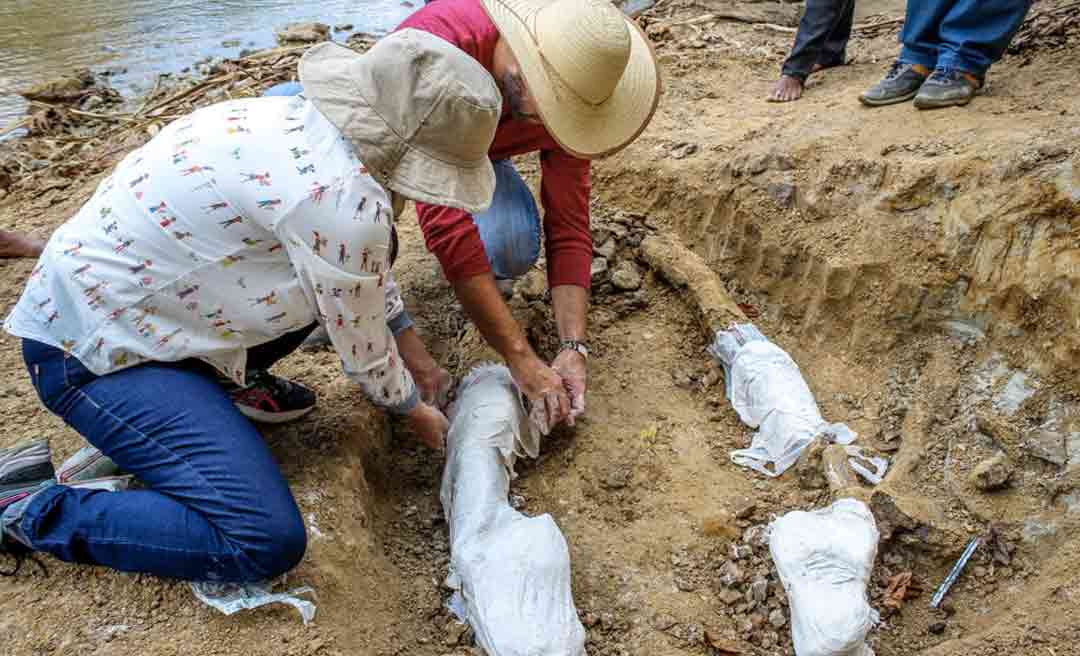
{"x": 511, "y": 572}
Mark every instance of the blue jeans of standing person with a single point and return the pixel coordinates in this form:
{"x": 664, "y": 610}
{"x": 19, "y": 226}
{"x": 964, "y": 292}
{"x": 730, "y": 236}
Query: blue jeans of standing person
{"x": 962, "y": 35}
{"x": 510, "y": 228}
{"x": 216, "y": 507}
{"x": 822, "y": 37}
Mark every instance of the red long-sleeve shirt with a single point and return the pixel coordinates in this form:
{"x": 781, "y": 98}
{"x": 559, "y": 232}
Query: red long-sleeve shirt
{"x": 564, "y": 192}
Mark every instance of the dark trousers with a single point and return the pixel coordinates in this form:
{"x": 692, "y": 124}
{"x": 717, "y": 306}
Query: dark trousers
{"x": 966, "y": 35}
{"x": 822, "y": 37}
{"x": 216, "y": 506}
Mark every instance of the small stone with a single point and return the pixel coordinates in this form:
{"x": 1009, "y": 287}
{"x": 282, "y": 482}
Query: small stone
{"x": 590, "y": 620}
{"x": 454, "y": 631}
{"x": 344, "y": 27}
{"x": 782, "y": 193}
{"x": 230, "y": 43}
{"x": 937, "y": 628}
{"x": 626, "y": 276}
{"x": 684, "y": 584}
{"x": 304, "y": 33}
{"x": 663, "y": 622}
{"x": 729, "y": 596}
{"x": 979, "y": 571}
{"x": 606, "y": 249}
{"x": 759, "y": 590}
{"x": 741, "y": 551}
{"x": 91, "y": 103}
{"x": 730, "y": 574}
{"x": 948, "y": 607}
{"x": 745, "y": 510}
{"x": 993, "y": 473}
{"x": 684, "y": 150}
{"x": 777, "y": 619}
{"x": 839, "y": 474}
{"x": 745, "y": 626}
{"x": 757, "y": 620}
{"x": 598, "y": 269}
{"x": 534, "y": 285}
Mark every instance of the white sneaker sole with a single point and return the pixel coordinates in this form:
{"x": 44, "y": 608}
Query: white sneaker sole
{"x": 264, "y": 417}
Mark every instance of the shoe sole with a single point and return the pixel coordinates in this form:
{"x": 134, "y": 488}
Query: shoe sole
{"x": 264, "y": 417}
{"x": 889, "y": 101}
{"x": 934, "y": 104}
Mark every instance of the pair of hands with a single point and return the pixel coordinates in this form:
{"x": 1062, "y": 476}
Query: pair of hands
{"x": 556, "y": 395}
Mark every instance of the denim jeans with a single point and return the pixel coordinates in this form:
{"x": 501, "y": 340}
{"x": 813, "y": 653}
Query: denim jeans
{"x": 965, "y": 35}
{"x": 822, "y": 37}
{"x": 509, "y": 229}
{"x": 216, "y": 506}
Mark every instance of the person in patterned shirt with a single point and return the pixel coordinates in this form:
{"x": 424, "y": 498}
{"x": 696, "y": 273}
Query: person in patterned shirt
{"x": 208, "y": 254}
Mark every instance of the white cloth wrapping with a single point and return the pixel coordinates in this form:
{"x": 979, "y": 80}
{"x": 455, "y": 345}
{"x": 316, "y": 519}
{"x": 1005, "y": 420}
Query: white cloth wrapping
{"x": 511, "y": 572}
{"x": 768, "y": 391}
{"x": 824, "y": 559}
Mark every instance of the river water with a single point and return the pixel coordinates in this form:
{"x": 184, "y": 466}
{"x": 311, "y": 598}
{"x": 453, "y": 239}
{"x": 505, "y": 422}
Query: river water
{"x": 41, "y": 39}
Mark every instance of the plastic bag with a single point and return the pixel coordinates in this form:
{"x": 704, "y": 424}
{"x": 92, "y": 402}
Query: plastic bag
{"x": 824, "y": 559}
{"x": 769, "y": 393}
{"x": 230, "y": 598}
{"x": 511, "y": 572}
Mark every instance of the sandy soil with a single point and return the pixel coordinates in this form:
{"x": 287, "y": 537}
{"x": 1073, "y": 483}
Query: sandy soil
{"x": 922, "y": 268}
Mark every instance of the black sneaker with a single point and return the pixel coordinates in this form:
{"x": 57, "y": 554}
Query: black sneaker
{"x": 26, "y": 463}
{"x": 272, "y": 400}
{"x": 901, "y": 83}
{"x": 946, "y": 87}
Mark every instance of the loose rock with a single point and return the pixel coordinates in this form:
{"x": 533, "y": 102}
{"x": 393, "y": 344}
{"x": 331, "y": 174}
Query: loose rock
{"x": 303, "y": 33}
{"x": 599, "y": 269}
{"x": 993, "y": 473}
{"x": 937, "y": 628}
{"x": 777, "y": 619}
{"x": 626, "y": 276}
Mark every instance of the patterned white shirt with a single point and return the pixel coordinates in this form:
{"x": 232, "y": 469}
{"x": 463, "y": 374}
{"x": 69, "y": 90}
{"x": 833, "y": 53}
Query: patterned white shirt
{"x": 235, "y": 225}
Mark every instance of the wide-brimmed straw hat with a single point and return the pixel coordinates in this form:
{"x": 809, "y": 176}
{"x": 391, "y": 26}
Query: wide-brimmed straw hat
{"x": 591, "y": 70}
{"x": 420, "y": 113}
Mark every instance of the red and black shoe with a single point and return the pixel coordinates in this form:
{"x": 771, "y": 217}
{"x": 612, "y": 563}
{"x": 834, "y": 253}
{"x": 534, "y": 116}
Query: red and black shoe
{"x": 273, "y": 400}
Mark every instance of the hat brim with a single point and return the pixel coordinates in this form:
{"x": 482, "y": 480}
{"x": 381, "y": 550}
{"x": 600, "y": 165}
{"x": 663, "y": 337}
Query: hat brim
{"x": 325, "y": 73}
{"x": 582, "y": 129}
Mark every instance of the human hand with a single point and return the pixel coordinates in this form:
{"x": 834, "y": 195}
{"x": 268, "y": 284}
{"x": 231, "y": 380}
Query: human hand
{"x": 430, "y": 424}
{"x": 573, "y": 368}
{"x": 434, "y": 385}
{"x": 546, "y": 392}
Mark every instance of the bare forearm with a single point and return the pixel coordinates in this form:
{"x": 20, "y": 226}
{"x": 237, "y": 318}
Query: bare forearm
{"x": 413, "y": 352}
{"x": 571, "y": 306}
{"x": 485, "y": 306}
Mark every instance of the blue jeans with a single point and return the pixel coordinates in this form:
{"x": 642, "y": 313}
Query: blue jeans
{"x": 217, "y": 507}
{"x": 510, "y": 228}
{"x": 822, "y": 37}
{"x": 965, "y": 35}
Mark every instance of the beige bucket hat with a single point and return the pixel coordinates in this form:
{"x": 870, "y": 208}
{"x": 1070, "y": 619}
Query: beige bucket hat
{"x": 420, "y": 113}
{"x": 591, "y": 70}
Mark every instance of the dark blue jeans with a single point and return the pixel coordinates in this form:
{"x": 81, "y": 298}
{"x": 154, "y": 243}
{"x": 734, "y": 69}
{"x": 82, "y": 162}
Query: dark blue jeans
{"x": 217, "y": 507}
{"x": 965, "y": 35}
{"x": 822, "y": 37}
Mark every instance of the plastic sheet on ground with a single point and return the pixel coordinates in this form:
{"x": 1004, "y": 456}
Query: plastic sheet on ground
{"x": 824, "y": 559}
{"x": 858, "y": 457}
{"x": 511, "y": 573}
{"x": 769, "y": 393}
{"x": 230, "y": 598}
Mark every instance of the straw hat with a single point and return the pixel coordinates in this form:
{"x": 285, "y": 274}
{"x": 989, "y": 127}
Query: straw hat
{"x": 591, "y": 69}
{"x": 420, "y": 113}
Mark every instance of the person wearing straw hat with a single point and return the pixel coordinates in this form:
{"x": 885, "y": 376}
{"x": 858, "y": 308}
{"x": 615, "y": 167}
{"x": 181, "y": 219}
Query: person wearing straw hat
{"x": 211, "y": 252}
{"x": 579, "y": 81}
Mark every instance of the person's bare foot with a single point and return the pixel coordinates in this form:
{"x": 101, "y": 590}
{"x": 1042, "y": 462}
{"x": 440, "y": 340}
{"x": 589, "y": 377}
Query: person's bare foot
{"x": 787, "y": 88}
{"x": 12, "y": 244}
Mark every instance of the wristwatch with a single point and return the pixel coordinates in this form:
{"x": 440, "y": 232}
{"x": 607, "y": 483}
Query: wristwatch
{"x": 574, "y": 345}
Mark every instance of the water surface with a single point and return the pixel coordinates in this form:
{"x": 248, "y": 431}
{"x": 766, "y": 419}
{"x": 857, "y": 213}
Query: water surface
{"x": 42, "y": 39}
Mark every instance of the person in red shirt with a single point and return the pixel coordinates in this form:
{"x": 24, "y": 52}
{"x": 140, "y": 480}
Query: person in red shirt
{"x": 579, "y": 81}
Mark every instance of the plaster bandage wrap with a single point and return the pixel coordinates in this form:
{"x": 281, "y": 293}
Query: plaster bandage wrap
{"x": 824, "y": 559}
{"x": 511, "y": 572}
{"x": 768, "y": 391}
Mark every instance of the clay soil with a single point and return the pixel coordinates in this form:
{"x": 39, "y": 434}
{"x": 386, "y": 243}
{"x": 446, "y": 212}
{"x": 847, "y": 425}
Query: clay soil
{"x": 922, "y": 268}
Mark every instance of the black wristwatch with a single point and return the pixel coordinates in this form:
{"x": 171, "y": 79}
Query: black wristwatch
{"x": 574, "y": 345}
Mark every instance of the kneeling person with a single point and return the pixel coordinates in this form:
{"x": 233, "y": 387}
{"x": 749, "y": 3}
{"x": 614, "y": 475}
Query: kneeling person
{"x": 209, "y": 253}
